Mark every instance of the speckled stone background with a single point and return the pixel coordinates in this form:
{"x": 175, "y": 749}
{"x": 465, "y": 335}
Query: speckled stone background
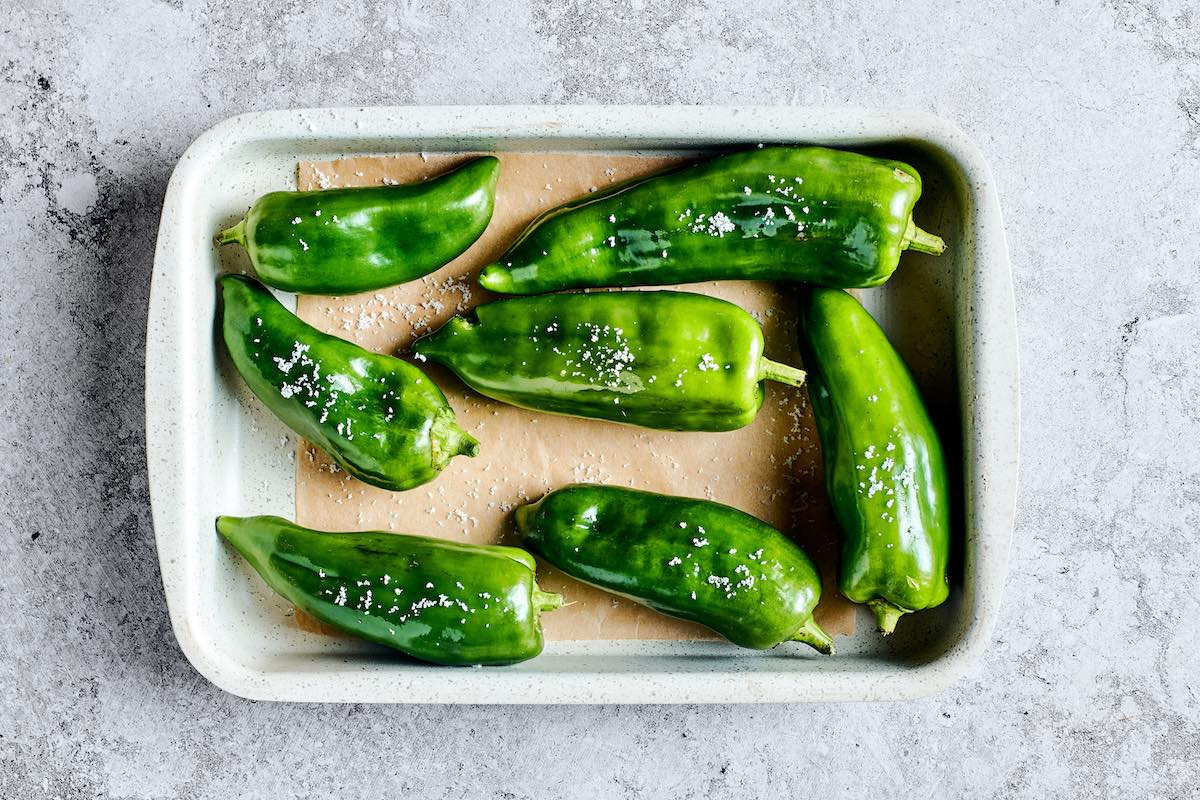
{"x": 1090, "y": 114}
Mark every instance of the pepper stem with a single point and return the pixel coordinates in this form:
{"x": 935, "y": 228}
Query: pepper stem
{"x": 922, "y": 241}
{"x": 886, "y": 614}
{"x": 783, "y": 373}
{"x": 812, "y": 635}
{"x": 237, "y": 233}
{"x": 449, "y": 440}
{"x": 462, "y": 443}
{"x": 546, "y": 601}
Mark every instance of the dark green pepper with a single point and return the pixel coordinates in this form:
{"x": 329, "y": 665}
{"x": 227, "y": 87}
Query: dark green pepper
{"x": 381, "y": 419}
{"x": 884, "y": 469}
{"x": 809, "y": 214}
{"x": 440, "y": 601}
{"x": 668, "y": 360}
{"x": 692, "y": 559}
{"x": 342, "y": 241}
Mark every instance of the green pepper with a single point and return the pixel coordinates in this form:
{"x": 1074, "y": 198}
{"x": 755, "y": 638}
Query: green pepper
{"x": 668, "y": 360}
{"x": 342, "y": 241}
{"x": 808, "y": 214}
{"x": 884, "y": 469}
{"x": 381, "y": 419}
{"x": 693, "y": 559}
{"x": 440, "y": 601}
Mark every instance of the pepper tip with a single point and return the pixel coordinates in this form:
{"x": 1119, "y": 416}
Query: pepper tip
{"x": 225, "y": 524}
{"x": 496, "y": 278}
{"x": 814, "y": 636}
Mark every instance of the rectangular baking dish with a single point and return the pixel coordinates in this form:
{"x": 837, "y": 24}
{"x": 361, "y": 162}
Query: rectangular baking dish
{"x": 211, "y": 451}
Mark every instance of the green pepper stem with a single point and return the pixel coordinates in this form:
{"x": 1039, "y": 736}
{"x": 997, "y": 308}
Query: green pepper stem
{"x": 449, "y": 440}
{"x": 546, "y": 601}
{"x": 237, "y": 233}
{"x": 886, "y": 614}
{"x": 922, "y": 241}
{"x": 462, "y": 443}
{"x": 812, "y": 635}
{"x": 783, "y": 373}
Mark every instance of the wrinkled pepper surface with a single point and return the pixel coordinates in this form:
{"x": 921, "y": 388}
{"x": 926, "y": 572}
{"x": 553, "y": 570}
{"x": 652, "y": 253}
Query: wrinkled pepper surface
{"x": 342, "y": 241}
{"x": 810, "y": 214}
{"x": 668, "y": 360}
{"x": 884, "y": 468}
{"x": 436, "y": 600}
{"x": 693, "y": 559}
{"x": 381, "y": 419}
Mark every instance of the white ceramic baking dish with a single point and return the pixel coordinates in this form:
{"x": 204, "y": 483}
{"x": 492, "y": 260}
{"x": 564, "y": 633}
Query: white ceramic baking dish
{"x": 211, "y": 450}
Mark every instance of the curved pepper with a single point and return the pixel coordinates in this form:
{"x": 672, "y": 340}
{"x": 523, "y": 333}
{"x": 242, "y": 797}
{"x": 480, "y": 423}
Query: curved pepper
{"x": 884, "y": 469}
{"x": 693, "y": 559}
{"x": 342, "y": 241}
{"x": 440, "y": 601}
{"x": 809, "y": 214}
{"x": 381, "y": 419}
{"x": 668, "y": 360}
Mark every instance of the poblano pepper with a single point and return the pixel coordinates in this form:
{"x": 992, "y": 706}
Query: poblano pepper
{"x": 692, "y": 559}
{"x": 808, "y": 214}
{"x": 884, "y": 469}
{"x": 342, "y": 241}
{"x": 668, "y": 360}
{"x": 436, "y": 600}
{"x": 381, "y": 419}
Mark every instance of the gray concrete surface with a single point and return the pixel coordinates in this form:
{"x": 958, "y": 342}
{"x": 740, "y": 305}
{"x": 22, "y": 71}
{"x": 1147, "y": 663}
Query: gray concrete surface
{"x": 1090, "y": 114}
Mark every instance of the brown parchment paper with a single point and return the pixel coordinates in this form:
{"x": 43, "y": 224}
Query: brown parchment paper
{"x": 770, "y": 469}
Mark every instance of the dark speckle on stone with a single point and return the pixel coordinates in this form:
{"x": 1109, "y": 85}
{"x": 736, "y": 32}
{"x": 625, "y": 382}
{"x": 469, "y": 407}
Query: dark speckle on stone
{"x": 1129, "y": 328}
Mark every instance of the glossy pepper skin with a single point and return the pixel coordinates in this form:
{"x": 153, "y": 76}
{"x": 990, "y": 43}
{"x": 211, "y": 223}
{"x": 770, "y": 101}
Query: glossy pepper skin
{"x": 693, "y": 559}
{"x": 810, "y": 214}
{"x": 342, "y": 241}
{"x": 436, "y": 600}
{"x": 381, "y": 419}
{"x": 884, "y": 468}
{"x": 668, "y": 360}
